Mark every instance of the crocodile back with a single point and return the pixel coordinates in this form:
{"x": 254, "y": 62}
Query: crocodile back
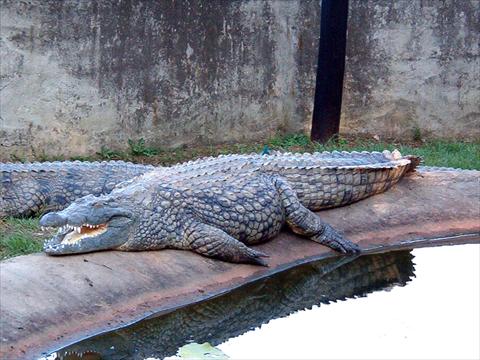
{"x": 320, "y": 180}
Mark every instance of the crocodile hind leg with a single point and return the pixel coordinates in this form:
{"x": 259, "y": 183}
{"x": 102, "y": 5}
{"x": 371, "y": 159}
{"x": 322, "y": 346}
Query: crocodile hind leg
{"x": 304, "y": 222}
{"x": 212, "y": 242}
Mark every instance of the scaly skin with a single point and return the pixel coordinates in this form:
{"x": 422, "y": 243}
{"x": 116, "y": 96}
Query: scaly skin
{"x": 218, "y": 206}
{"x": 30, "y": 189}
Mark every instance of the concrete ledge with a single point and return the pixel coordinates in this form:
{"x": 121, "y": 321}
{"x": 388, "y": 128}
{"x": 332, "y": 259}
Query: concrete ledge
{"x": 48, "y": 302}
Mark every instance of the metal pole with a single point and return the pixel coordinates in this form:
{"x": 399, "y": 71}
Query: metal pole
{"x": 330, "y": 70}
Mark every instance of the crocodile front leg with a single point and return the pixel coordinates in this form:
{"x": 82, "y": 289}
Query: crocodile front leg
{"x": 212, "y": 242}
{"x": 304, "y": 222}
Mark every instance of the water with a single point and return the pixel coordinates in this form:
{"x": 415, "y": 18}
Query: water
{"x": 395, "y": 309}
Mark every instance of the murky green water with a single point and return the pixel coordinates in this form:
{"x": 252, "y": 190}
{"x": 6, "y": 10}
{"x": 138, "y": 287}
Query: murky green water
{"x": 397, "y": 307}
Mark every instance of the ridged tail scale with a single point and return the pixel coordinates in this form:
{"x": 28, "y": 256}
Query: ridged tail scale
{"x": 331, "y": 179}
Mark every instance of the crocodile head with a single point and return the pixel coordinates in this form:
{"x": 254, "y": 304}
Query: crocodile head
{"x": 89, "y": 224}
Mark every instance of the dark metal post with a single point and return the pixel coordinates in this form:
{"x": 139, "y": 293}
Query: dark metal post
{"x": 330, "y": 69}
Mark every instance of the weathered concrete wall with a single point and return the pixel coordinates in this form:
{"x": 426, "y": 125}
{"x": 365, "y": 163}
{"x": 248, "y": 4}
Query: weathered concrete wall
{"x": 413, "y": 64}
{"x": 77, "y": 75}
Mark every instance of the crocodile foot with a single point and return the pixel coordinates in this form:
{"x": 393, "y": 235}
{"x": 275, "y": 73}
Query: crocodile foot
{"x": 334, "y": 240}
{"x": 213, "y": 242}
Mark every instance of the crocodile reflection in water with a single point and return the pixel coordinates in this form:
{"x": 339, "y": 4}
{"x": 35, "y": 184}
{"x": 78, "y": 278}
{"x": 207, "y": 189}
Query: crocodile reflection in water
{"x": 250, "y": 306}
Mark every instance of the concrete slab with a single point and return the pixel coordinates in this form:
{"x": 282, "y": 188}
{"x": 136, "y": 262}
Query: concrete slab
{"x": 48, "y": 302}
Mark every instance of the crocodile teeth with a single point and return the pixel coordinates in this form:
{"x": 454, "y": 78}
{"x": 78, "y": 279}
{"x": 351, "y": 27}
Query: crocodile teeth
{"x": 78, "y": 229}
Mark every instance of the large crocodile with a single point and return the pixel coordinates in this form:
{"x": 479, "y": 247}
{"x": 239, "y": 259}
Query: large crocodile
{"x": 218, "y": 206}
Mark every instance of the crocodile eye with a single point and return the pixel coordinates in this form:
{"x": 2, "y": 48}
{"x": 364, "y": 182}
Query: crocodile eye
{"x": 100, "y": 204}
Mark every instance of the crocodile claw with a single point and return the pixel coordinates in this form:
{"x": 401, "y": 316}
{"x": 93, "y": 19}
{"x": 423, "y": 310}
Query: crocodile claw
{"x": 256, "y": 257}
{"x": 334, "y": 240}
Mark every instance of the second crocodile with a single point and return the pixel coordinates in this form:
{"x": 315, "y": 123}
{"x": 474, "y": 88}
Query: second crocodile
{"x": 35, "y": 188}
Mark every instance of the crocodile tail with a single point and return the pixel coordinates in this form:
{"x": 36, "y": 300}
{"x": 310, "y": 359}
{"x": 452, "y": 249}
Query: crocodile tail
{"x": 395, "y": 155}
{"x": 414, "y": 162}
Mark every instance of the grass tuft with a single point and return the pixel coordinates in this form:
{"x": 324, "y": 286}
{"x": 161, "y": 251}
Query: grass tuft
{"x": 138, "y": 148}
{"x": 20, "y": 236}
{"x": 109, "y": 154}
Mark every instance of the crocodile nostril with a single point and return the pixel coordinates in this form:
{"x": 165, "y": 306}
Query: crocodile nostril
{"x": 53, "y": 219}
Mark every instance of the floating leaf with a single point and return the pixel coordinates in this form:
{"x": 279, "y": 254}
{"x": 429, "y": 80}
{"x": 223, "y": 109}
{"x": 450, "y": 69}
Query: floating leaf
{"x": 200, "y": 351}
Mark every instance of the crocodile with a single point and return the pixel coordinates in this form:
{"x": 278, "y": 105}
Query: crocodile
{"x": 218, "y": 206}
{"x": 34, "y": 188}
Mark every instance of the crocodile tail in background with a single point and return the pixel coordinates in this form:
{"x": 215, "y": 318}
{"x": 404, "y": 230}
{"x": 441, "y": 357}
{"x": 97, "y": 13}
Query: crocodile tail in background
{"x": 415, "y": 161}
{"x": 33, "y": 188}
